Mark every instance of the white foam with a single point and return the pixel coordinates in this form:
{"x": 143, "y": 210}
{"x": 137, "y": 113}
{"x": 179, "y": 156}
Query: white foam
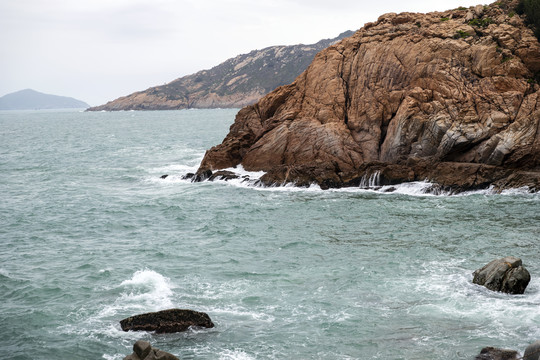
{"x": 518, "y": 191}
{"x": 459, "y": 298}
{"x": 4, "y": 272}
{"x": 147, "y": 289}
{"x": 234, "y": 355}
{"x": 369, "y": 184}
{"x": 241, "y": 312}
{"x": 113, "y": 357}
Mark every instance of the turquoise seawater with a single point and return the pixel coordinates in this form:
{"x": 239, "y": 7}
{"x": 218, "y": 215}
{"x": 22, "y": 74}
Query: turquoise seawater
{"x": 90, "y": 235}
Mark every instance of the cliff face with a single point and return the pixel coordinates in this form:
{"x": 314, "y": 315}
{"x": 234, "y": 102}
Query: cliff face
{"x": 412, "y": 96}
{"x": 237, "y": 82}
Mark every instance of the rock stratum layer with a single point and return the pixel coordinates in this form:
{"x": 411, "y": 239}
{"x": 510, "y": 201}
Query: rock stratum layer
{"x": 447, "y": 96}
{"x": 237, "y": 82}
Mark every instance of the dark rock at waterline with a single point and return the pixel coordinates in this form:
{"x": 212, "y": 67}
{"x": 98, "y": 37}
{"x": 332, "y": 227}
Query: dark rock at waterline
{"x": 505, "y": 275}
{"x": 188, "y": 176}
{"x": 532, "y": 352}
{"x": 491, "y": 353}
{"x": 223, "y": 175}
{"x": 142, "y": 350}
{"x": 202, "y": 175}
{"x": 164, "y": 176}
{"x": 167, "y": 321}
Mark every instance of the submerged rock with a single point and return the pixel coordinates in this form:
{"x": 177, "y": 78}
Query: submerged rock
{"x": 491, "y": 353}
{"x": 505, "y": 275}
{"x": 142, "y": 350}
{"x": 414, "y": 97}
{"x": 167, "y": 321}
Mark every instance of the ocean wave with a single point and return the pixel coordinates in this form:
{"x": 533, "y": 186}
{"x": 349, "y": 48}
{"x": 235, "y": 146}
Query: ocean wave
{"x": 4, "y": 273}
{"x": 147, "y": 289}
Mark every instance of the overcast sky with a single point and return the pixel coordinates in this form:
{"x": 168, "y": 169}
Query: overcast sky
{"x": 98, "y": 50}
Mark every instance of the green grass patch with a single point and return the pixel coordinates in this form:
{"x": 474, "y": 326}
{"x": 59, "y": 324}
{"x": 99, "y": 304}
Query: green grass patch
{"x": 460, "y": 34}
{"x": 481, "y": 22}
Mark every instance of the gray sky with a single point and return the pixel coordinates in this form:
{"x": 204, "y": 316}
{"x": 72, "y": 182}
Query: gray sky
{"x": 98, "y": 50}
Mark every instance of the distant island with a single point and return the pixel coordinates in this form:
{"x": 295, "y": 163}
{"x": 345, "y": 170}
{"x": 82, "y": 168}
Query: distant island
{"x": 237, "y": 82}
{"x": 33, "y": 100}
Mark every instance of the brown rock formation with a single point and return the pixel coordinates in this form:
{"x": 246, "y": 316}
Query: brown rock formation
{"x": 505, "y": 275}
{"x": 142, "y": 350}
{"x": 491, "y": 353}
{"x": 450, "y": 96}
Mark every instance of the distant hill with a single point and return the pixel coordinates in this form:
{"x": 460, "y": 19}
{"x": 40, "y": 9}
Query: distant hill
{"x": 33, "y": 100}
{"x": 236, "y": 82}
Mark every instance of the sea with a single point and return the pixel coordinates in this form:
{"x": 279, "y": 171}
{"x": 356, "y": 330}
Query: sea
{"x": 91, "y": 234}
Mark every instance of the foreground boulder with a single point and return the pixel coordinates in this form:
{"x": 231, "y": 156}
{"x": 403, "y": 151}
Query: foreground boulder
{"x": 451, "y": 96}
{"x": 505, "y": 275}
{"x": 532, "y": 352}
{"x": 167, "y": 321}
{"x": 143, "y": 351}
{"x": 491, "y": 353}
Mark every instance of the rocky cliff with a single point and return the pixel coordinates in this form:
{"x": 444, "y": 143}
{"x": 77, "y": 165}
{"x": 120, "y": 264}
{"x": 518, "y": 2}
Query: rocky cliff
{"x": 237, "y": 82}
{"x": 448, "y": 96}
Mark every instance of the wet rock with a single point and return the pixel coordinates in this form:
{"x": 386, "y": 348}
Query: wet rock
{"x": 188, "y": 176}
{"x": 142, "y": 350}
{"x": 505, "y": 275}
{"x": 223, "y": 175}
{"x": 164, "y": 176}
{"x": 532, "y": 352}
{"x": 491, "y": 353}
{"x": 202, "y": 175}
{"x": 167, "y": 321}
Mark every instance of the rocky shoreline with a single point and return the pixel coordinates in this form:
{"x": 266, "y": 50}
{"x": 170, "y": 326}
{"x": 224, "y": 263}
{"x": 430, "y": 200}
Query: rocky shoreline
{"x": 445, "y": 178}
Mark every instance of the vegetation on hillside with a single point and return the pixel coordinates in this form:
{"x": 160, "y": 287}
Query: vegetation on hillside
{"x": 531, "y": 8}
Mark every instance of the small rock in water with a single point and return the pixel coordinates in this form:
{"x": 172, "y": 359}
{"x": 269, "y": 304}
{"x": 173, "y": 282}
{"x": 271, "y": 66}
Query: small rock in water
{"x": 164, "y": 176}
{"x": 188, "y": 176}
{"x": 142, "y": 350}
{"x": 505, "y": 275}
{"x": 532, "y": 352}
{"x": 491, "y": 353}
{"x": 167, "y": 321}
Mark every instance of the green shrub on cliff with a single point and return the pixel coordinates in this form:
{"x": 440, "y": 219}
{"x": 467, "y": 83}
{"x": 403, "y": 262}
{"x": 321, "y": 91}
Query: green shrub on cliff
{"x": 481, "y": 22}
{"x": 531, "y": 8}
